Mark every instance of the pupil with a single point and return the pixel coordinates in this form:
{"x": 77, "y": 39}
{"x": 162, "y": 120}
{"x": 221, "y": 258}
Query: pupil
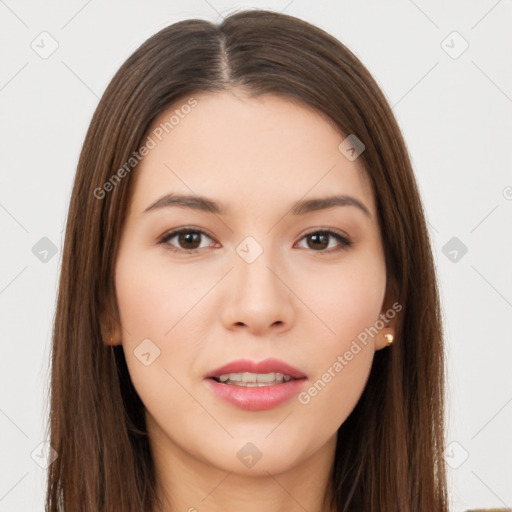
{"x": 188, "y": 238}
{"x": 317, "y": 236}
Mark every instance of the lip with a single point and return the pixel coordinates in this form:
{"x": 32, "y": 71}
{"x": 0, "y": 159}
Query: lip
{"x": 266, "y": 366}
{"x": 256, "y": 398}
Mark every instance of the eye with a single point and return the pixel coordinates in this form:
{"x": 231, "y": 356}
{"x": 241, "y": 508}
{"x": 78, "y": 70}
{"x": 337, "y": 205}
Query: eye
{"x": 320, "y": 240}
{"x": 188, "y": 239}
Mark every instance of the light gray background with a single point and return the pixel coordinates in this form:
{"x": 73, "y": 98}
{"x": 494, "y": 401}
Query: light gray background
{"x": 456, "y": 117}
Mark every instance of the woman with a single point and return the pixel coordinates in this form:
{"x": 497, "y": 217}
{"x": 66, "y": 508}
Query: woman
{"x": 248, "y": 312}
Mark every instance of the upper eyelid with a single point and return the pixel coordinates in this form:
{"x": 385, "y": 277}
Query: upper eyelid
{"x": 169, "y": 235}
{"x": 204, "y": 232}
{"x": 174, "y": 232}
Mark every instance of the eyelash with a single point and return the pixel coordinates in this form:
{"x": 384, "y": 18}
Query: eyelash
{"x": 344, "y": 241}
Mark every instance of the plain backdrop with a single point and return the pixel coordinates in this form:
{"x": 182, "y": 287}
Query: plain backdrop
{"x": 445, "y": 67}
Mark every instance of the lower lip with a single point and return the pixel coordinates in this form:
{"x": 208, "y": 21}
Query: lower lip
{"x": 256, "y": 399}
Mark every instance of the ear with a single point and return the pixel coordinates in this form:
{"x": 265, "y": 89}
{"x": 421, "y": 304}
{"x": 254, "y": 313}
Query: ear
{"x": 111, "y": 332}
{"x": 388, "y": 315}
{"x": 111, "y": 335}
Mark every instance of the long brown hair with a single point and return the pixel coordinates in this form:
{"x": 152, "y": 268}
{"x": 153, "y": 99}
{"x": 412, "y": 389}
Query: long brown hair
{"x": 389, "y": 450}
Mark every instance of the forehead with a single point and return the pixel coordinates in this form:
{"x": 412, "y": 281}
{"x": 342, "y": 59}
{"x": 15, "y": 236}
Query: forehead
{"x": 246, "y": 151}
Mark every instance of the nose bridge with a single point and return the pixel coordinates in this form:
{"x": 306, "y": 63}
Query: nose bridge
{"x": 259, "y": 298}
{"x": 259, "y": 276}
{"x": 256, "y": 270}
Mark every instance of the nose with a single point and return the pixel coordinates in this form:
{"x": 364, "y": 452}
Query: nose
{"x": 258, "y": 298}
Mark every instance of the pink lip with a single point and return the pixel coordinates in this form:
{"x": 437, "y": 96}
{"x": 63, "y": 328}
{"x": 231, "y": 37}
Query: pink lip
{"x": 265, "y": 366}
{"x": 256, "y": 398}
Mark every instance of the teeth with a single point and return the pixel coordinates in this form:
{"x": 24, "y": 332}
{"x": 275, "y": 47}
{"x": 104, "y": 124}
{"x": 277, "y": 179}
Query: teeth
{"x": 252, "y": 380}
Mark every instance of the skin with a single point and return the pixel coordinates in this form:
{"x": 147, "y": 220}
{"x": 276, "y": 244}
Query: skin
{"x": 301, "y": 301}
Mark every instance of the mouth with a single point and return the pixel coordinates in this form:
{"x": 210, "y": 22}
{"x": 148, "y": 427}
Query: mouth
{"x": 253, "y": 380}
{"x": 256, "y": 386}
{"x": 244, "y": 371}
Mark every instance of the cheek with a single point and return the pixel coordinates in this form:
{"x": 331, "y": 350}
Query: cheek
{"x": 348, "y": 300}
{"x": 346, "y": 297}
{"x": 153, "y": 298}
{"x": 331, "y": 397}
{"x": 160, "y": 313}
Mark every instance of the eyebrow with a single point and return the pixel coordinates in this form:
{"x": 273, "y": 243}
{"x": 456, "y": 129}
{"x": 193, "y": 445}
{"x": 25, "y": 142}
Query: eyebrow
{"x": 300, "y": 208}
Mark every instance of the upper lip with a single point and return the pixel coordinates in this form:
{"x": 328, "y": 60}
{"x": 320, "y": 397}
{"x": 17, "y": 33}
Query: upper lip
{"x": 265, "y": 366}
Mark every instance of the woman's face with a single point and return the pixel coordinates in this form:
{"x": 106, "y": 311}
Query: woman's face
{"x": 255, "y": 278}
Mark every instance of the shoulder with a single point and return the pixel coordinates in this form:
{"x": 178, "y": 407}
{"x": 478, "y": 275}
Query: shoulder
{"x": 489, "y": 510}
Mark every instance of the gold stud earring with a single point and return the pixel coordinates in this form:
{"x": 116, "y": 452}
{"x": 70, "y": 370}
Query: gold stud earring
{"x": 389, "y": 338}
